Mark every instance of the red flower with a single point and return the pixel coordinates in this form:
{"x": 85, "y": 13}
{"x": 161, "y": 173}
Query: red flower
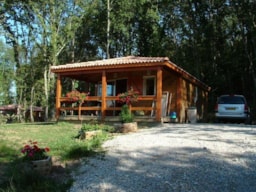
{"x": 33, "y": 152}
{"x": 128, "y": 97}
{"x": 77, "y": 96}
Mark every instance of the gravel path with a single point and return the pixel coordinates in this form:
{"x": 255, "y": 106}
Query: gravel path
{"x": 174, "y": 157}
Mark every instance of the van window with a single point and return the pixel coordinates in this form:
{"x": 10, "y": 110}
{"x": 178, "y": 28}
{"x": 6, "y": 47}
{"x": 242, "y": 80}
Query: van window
{"x": 231, "y": 100}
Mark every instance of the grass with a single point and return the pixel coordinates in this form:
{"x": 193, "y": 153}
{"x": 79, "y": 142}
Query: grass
{"x": 59, "y": 137}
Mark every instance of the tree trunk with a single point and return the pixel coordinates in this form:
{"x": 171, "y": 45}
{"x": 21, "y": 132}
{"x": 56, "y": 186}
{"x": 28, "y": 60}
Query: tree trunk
{"x": 46, "y": 91}
{"x": 31, "y": 104}
{"x": 108, "y": 29}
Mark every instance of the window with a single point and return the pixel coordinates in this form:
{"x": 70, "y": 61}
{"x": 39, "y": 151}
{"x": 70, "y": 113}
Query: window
{"x": 149, "y": 85}
{"x": 110, "y": 88}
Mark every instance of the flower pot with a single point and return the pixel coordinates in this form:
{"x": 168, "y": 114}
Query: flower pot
{"x": 129, "y": 127}
{"x": 43, "y": 166}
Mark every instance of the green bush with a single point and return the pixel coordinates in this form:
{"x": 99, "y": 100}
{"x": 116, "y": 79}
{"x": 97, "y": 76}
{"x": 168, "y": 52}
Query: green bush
{"x": 126, "y": 115}
{"x": 95, "y": 126}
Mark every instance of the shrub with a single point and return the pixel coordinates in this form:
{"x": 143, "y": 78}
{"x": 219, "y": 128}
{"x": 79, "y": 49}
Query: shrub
{"x": 126, "y": 115}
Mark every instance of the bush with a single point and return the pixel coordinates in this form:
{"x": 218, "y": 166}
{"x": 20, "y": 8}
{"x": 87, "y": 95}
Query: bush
{"x": 94, "y": 127}
{"x": 126, "y": 115}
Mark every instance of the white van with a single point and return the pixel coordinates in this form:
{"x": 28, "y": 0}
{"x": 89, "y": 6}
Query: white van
{"x": 232, "y": 108}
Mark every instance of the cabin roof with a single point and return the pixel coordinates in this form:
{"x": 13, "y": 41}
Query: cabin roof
{"x": 126, "y": 62}
{"x": 113, "y": 61}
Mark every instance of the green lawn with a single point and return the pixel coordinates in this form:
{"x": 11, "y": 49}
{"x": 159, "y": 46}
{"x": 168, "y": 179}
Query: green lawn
{"x": 58, "y": 137}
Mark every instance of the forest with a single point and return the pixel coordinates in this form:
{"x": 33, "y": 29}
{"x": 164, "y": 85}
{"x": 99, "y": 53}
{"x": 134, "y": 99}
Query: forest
{"x": 214, "y": 40}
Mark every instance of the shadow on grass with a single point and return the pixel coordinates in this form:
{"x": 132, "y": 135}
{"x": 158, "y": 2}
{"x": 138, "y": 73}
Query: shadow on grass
{"x": 18, "y": 176}
{"x": 79, "y": 152}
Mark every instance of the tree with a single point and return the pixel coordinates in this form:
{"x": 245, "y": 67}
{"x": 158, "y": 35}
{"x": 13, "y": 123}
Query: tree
{"x": 212, "y": 40}
{"x": 7, "y": 70}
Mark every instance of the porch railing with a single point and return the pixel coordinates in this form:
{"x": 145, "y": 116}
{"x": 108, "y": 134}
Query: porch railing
{"x": 93, "y": 104}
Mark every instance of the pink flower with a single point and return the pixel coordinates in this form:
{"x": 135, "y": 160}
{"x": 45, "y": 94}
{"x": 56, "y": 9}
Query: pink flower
{"x": 33, "y": 152}
{"x": 77, "y": 96}
{"x": 128, "y": 97}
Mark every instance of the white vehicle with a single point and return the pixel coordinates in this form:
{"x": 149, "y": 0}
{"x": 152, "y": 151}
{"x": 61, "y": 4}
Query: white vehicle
{"x": 232, "y": 108}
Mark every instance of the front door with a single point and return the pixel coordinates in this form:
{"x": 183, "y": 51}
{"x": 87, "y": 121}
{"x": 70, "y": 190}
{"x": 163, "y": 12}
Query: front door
{"x": 121, "y": 86}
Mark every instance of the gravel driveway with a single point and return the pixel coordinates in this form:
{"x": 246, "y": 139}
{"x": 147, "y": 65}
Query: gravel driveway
{"x": 174, "y": 157}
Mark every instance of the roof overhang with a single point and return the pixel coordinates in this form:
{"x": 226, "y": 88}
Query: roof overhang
{"x": 114, "y": 63}
{"x": 129, "y": 63}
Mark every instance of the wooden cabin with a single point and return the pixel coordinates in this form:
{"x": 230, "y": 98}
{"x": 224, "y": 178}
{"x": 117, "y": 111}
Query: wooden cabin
{"x": 14, "y": 109}
{"x": 163, "y": 88}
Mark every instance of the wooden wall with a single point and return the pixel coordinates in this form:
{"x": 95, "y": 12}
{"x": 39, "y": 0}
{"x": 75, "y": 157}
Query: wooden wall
{"x": 184, "y": 94}
{"x": 170, "y": 85}
{"x": 191, "y": 96}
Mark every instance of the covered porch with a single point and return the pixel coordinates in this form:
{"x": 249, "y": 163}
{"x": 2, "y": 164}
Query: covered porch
{"x": 163, "y": 87}
{"x": 106, "y": 107}
{"x": 104, "y": 84}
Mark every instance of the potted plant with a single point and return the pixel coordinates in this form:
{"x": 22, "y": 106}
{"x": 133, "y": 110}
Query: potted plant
{"x": 37, "y": 157}
{"x": 79, "y": 97}
{"x": 126, "y": 116}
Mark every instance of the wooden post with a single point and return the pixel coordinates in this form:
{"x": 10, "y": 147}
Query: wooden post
{"x": 159, "y": 94}
{"x": 103, "y": 95}
{"x": 130, "y": 107}
{"x": 179, "y": 99}
{"x": 58, "y": 96}
{"x": 79, "y": 111}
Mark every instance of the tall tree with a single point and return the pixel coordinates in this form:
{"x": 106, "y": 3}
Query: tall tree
{"x": 7, "y": 71}
{"x": 56, "y": 25}
{"x": 212, "y": 39}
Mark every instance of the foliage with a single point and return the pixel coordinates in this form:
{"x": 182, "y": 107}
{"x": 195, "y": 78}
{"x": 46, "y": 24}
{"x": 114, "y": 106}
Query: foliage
{"x": 128, "y": 97}
{"x": 7, "y": 153}
{"x": 29, "y": 181}
{"x": 63, "y": 146}
{"x": 8, "y": 118}
{"x": 32, "y": 152}
{"x": 7, "y": 74}
{"x": 206, "y": 38}
{"x": 91, "y": 148}
{"x": 38, "y": 37}
{"x": 126, "y": 115}
{"x": 3, "y": 119}
{"x": 75, "y": 95}
{"x": 92, "y": 126}
{"x": 96, "y": 126}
